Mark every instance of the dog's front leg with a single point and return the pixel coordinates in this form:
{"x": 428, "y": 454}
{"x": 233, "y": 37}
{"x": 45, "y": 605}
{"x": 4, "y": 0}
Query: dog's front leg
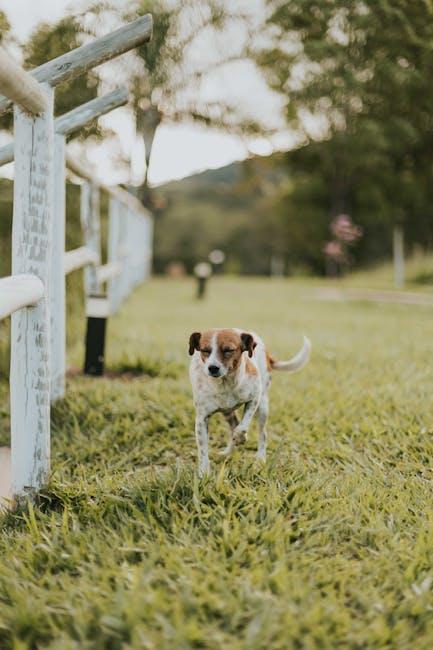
{"x": 202, "y": 438}
{"x": 233, "y": 422}
{"x": 240, "y": 432}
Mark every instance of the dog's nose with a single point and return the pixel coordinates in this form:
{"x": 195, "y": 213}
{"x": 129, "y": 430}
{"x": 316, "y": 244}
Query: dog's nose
{"x": 214, "y": 370}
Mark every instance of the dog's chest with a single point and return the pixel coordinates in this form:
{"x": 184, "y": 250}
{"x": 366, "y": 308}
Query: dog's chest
{"x": 224, "y": 396}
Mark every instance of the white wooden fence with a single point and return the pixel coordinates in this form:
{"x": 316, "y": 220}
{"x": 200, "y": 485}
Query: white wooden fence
{"x": 34, "y": 295}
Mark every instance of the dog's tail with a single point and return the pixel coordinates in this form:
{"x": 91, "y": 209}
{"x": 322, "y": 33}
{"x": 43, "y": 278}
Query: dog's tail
{"x": 295, "y": 363}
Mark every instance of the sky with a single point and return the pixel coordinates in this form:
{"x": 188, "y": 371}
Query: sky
{"x": 179, "y": 149}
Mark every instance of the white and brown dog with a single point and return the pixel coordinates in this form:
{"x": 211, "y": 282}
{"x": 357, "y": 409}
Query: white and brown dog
{"x": 232, "y": 368}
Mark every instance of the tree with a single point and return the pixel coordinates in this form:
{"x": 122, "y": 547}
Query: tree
{"x": 358, "y": 75}
{"x": 168, "y": 82}
{"x": 6, "y": 38}
{"x": 167, "y": 77}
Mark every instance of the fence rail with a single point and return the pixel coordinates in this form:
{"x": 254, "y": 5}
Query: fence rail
{"x": 18, "y": 291}
{"x": 20, "y": 87}
{"x": 78, "y": 258}
{"x": 86, "y": 57}
{"x": 77, "y": 118}
{"x": 34, "y": 295}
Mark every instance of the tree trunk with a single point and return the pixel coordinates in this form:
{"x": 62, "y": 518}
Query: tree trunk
{"x": 398, "y": 256}
{"x": 147, "y": 122}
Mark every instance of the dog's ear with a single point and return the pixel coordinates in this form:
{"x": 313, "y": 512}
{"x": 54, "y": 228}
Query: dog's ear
{"x": 248, "y": 343}
{"x": 194, "y": 342}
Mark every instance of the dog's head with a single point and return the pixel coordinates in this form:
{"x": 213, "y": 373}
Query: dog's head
{"x": 221, "y": 350}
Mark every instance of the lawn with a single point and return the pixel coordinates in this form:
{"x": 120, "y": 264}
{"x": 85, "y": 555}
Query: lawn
{"x": 328, "y": 546}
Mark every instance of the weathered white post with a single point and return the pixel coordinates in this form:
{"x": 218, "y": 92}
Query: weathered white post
{"x": 138, "y": 247}
{"x": 31, "y": 250}
{"x": 149, "y": 240}
{"x": 129, "y": 252}
{"x": 398, "y": 256}
{"x": 96, "y": 302}
{"x": 65, "y": 125}
{"x": 114, "y": 296}
{"x": 58, "y": 290}
{"x": 91, "y": 227}
{"x": 144, "y": 248}
{"x": 123, "y": 251}
{"x": 32, "y": 235}
{"x": 143, "y": 252}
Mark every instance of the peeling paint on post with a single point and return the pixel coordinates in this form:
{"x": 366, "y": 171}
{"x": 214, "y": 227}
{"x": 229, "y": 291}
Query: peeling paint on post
{"x": 30, "y": 337}
{"x": 57, "y": 293}
{"x": 123, "y": 251}
{"x": 96, "y": 326}
{"x": 114, "y": 296}
{"x": 148, "y": 238}
{"x": 91, "y": 226}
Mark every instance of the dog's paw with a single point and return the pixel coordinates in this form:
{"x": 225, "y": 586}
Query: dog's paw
{"x": 203, "y": 470}
{"x": 227, "y": 450}
{"x": 239, "y": 436}
{"x": 261, "y": 457}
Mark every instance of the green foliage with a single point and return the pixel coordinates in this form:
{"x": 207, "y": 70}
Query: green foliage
{"x": 276, "y": 206}
{"x": 5, "y": 36}
{"x": 5, "y": 27}
{"x": 363, "y": 68}
{"x": 168, "y": 85}
{"x": 327, "y": 546}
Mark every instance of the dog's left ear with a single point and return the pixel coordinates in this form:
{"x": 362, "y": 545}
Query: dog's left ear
{"x": 194, "y": 342}
{"x": 248, "y": 343}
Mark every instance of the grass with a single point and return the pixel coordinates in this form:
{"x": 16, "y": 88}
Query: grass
{"x": 328, "y": 546}
{"x": 418, "y": 271}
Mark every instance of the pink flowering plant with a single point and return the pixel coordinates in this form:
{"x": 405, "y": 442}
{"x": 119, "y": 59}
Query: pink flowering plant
{"x": 336, "y": 251}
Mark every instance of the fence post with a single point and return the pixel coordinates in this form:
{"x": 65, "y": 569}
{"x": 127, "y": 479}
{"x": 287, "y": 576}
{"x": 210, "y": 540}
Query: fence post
{"x": 114, "y": 287}
{"x": 58, "y": 299}
{"x": 145, "y": 248}
{"x": 149, "y": 241}
{"x": 91, "y": 227}
{"x": 96, "y": 302}
{"x": 131, "y": 245}
{"x": 398, "y": 255}
{"x": 139, "y": 249}
{"x": 123, "y": 251}
{"x": 30, "y": 336}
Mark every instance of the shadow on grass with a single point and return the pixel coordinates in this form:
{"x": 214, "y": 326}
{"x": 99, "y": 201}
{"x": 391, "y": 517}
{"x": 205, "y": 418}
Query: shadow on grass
{"x": 137, "y": 368}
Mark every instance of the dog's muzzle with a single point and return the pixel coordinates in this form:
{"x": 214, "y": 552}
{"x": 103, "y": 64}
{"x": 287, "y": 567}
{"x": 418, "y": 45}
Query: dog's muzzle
{"x": 214, "y": 371}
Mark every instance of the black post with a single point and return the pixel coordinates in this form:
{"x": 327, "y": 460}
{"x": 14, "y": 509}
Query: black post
{"x": 97, "y": 314}
{"x": 201, "y": 287}
{"x": 95, "y": 346}
{"x": 202, "y": 272}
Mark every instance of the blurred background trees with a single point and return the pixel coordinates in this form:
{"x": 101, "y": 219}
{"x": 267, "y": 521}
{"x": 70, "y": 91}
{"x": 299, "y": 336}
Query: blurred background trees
{"x": 355, "y": 83}
{"x": 354, "y": 80}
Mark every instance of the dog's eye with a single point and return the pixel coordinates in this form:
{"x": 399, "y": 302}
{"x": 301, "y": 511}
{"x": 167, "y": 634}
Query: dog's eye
{"x": 206, "y": 352}
{"x": 228, "y": 353}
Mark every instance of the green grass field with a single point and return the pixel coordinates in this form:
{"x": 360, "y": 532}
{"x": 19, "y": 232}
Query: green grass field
{"x": 328, "y": 546}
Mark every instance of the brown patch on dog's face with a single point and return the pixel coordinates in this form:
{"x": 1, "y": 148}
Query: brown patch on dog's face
{"x": 230, "y": 349}
{"x": 205, "y": 346}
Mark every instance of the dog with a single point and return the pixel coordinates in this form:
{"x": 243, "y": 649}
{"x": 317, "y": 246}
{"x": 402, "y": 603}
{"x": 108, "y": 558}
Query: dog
{"x": 231, "y": 368}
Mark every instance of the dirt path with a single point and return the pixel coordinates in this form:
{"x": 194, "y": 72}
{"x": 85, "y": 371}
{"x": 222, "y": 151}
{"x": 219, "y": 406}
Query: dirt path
{"x": 373, "y": 295}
